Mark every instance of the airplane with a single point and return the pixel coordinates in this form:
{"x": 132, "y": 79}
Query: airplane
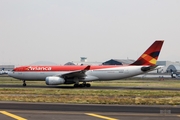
{"x": 56, "y": 75}
{"x": 2, "y": 72}
{"x": 174, "y": 74}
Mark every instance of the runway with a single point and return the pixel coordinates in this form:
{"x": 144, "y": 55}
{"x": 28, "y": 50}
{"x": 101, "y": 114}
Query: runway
{"x": 88, "y": 107}
{"x": 46, "y": 111}
{"x": 93, "y": 87}
{"x": 36, "y": 115}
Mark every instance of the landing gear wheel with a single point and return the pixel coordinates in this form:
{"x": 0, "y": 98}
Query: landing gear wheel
{"x": 88, "y": 85}
{"x": 24, "y": 83}
{"x": 82, "y": 85}
{"x": 76, "y": 85}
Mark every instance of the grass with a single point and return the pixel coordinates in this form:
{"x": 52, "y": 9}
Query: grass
{"x": 95, "y": 96}
{"x": 169, "y": 83}
{"x": 88, "y": 96}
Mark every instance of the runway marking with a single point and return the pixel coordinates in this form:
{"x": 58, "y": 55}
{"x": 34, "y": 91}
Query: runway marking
{"x": 100, "y": 116}
{"x": 12, "y": 115}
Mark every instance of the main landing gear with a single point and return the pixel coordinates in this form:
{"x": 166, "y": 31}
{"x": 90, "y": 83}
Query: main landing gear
{"x": 82, "y": 85}
{"x": 24, "y": 83}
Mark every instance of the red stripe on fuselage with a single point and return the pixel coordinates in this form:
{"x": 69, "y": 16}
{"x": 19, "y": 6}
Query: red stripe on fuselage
{"x": 58, "y": 68}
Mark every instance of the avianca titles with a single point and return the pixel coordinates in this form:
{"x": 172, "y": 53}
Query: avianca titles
{"x": 56, "y": 75}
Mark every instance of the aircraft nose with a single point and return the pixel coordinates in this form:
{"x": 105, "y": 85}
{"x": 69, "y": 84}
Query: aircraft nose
{"x": 10, "y": 73}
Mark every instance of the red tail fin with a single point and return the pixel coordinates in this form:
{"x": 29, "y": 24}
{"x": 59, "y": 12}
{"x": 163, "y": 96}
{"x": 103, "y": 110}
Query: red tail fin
{"x": 150, "y": 56}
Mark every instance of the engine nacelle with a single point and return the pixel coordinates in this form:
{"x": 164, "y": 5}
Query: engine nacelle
{"x": 53, "y": 80}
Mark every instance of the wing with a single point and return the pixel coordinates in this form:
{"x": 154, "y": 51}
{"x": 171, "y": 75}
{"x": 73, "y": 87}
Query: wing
{"x": 78, "y": 74}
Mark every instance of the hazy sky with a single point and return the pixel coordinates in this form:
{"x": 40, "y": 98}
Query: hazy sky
{"x": 64, "y": 30}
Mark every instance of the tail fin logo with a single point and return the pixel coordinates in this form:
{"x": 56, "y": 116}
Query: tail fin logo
{"x": 150, "y": 56}
{"x": 149, "y": 59}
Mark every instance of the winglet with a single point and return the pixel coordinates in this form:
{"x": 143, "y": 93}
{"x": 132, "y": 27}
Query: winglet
{"x": 87, "y": 68}
{"x": 150, "y": 56}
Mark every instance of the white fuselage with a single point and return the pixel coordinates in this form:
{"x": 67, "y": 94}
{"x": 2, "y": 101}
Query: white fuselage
{"x": 113, "y": 73}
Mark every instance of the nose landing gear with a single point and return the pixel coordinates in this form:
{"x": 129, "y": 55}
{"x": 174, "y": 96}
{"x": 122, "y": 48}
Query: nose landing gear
{"x": 24, "y": 83}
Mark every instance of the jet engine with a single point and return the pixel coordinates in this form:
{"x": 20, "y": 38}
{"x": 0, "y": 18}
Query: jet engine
{"x": 54, "y": 80}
